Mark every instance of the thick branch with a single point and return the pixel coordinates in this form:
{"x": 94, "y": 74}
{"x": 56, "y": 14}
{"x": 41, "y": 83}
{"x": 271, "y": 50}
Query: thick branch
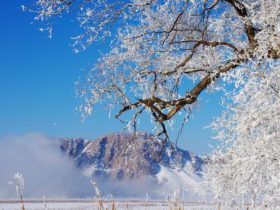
{"x": 202, "y": 85}
{"x": 242, "y": 11}
{"x": 157, "y": 105}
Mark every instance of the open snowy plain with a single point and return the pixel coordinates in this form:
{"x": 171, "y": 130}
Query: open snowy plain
{"x": 91, "y": 204}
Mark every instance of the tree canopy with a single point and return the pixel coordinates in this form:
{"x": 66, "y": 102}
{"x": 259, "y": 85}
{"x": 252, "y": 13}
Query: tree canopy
{"x": 164, "y": 53}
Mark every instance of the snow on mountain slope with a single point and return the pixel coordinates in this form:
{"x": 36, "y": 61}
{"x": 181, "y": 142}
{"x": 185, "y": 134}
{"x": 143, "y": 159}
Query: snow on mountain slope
{"x": 119, "y": 159}
{"x": 177, "y": 178}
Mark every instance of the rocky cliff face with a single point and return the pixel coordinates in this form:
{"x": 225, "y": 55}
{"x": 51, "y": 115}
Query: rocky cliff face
{"x": 125, "y": 157}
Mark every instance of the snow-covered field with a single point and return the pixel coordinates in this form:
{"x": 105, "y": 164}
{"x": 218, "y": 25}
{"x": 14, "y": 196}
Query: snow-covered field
{"x": 90, "y": 205}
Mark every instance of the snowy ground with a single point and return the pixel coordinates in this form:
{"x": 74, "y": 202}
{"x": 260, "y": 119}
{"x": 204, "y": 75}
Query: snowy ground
{"x": 90, "y": 205}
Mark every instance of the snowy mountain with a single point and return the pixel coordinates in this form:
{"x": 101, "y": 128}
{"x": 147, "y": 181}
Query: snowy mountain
{"x": 137, "y": 164}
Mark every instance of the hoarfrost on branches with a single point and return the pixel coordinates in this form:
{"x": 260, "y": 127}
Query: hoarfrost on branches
{"x": 160, "y": 48}
{"x": 246, "y": 168}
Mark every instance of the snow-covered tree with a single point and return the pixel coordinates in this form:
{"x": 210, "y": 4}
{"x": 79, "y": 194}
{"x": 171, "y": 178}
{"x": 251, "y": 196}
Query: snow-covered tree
{"x": 246, "y": 168}
{"x": 165, "y": 53}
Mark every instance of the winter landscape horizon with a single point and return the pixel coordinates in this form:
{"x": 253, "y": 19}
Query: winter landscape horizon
{"x": 124, "y": 165}
{"x": 58, "y": 173}
{"x": 140, "y": 104}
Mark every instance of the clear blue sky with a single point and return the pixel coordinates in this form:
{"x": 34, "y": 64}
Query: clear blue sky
{"x": 37, "y": 78}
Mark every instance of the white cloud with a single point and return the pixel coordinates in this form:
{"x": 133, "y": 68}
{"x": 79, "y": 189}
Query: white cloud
{"x": 46, "y": 170}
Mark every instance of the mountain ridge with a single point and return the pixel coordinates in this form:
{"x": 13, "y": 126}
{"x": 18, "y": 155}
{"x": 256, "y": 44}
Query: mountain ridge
{"x": 127, "y": 157}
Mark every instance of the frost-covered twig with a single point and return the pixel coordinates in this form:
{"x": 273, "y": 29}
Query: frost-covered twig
{"x": 19, "y": 182}
{"x": 98, "y": 195}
